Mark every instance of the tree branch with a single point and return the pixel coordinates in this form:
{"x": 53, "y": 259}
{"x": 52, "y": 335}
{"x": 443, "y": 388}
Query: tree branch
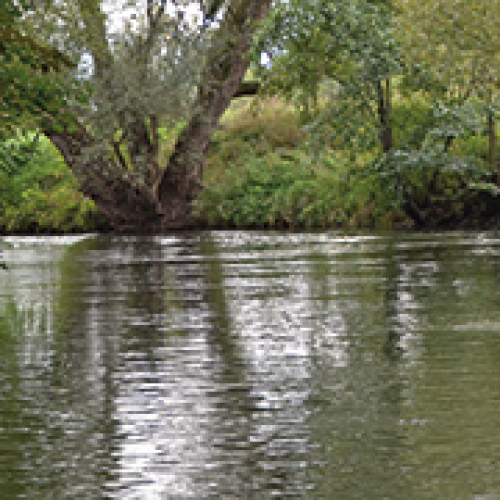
{"x": 153, "y": 173}
{"x": 153, "y": 23}
{"x": 223, "y": 72}
{"x": 149, "y": 12}
{"x": 212, "y": 9}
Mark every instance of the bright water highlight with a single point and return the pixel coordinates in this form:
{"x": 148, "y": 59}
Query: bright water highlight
{"x": 251, "y": 365}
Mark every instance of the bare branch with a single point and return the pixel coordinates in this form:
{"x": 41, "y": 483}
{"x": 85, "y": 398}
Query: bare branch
{"x": 149, "y": 12}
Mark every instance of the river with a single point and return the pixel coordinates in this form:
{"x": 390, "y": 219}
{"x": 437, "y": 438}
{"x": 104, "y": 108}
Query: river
{"x": 250, "y": 365}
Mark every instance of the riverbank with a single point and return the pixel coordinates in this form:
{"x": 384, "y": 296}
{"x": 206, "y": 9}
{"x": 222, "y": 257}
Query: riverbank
{"x": 262, "y": 173}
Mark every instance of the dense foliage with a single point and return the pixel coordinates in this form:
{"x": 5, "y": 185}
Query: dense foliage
{"x": 31, "y": 88}
{"x": 371, "y": 113}
{"x": 39, "y": 194}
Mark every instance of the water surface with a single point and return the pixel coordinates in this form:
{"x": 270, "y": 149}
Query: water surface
{"x": 248, "y": 365}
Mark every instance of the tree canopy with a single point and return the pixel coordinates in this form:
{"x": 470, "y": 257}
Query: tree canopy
{"x": 28, "y": 84}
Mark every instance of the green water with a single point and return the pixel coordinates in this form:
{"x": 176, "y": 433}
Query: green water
{"x": 248, "y": 365}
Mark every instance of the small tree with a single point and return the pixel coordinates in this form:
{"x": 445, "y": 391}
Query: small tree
{"x": 152, "y": 63}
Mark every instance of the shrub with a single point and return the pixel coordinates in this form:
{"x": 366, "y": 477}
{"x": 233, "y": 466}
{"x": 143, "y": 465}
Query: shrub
{"x": 38, "y": 193}
{"x": 292, "y": 192}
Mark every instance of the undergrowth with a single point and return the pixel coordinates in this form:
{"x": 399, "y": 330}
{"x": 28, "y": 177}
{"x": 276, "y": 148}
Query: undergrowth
{"x": 260, "y": 173}
{"x": 38, "y": 193}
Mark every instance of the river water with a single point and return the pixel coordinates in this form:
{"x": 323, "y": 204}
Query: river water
{"x": 251, "y": 365}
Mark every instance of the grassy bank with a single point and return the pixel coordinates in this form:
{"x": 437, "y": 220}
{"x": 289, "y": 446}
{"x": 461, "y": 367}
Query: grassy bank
{"x": 261, "y": 173}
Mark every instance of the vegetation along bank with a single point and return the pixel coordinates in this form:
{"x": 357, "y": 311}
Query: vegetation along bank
{"x": 297, "y": 115}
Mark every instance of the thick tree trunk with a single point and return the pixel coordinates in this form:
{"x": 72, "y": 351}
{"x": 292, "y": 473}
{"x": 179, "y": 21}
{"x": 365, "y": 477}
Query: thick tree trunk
{"x": 127, "y": 205}
{"x": 224, "y": 71}
{"x": 163, "y": 200}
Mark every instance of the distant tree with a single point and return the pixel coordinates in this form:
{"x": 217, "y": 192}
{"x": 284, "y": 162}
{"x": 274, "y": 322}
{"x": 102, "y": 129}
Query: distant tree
{"x": 345, "y": 48}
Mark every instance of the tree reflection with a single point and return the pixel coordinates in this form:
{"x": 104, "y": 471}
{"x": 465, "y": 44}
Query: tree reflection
{"x": 392, "y": 346}
{"x": 356, "y": 406}
{"x": 57, "y": 422}
{"x": 242, "y": 365}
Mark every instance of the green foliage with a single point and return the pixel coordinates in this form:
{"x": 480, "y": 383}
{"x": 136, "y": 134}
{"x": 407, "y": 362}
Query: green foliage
{"x": 440, "y": 166}
{"x": 350, "y": 46}
{"x": 430, "y": 185}
{"x": 269, "y": 121}
{"x": 472, "y": 146}
{"x": 271, "y": 192}
{"x": 438, "y": 60}
{"x": 252, "y": 130}
{"x": 414, "y": 169}
{"x": 308, "y": 40}
{"x": 254, "y": 180}
{"x": 38, "y": 193}
{"x": 31, "y": 85}
{"x": 454, "y": 43}
{"x": 291, "y": 190}
{"x": 411, "y": 120}
{"x": 426, "y": 123}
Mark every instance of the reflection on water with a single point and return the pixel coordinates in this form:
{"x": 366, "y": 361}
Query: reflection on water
{"x": 250, "y": 365}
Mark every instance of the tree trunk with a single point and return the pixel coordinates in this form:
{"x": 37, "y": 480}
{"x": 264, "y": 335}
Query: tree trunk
{"x": 158, "y": 201}
{"x": 384, "y": 113}
{"x": 127, "y": 205}
{"x": 224, "y": 71}
{"x": 492, "y": 137}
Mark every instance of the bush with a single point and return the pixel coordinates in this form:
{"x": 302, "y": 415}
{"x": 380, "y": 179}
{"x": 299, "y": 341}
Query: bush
{"x": 249, "y": 130}
{"x": 411, "y": 120}
{"x": 38, "y": 193}
{"x": 270, "y": 121}
{"x": 431, "y": 186}
{"x": 292, "y": 192}
{"x": 258, "y": 175}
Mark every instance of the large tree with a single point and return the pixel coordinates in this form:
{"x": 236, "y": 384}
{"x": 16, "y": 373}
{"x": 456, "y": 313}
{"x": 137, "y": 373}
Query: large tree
{"x": 152, "y": 63}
